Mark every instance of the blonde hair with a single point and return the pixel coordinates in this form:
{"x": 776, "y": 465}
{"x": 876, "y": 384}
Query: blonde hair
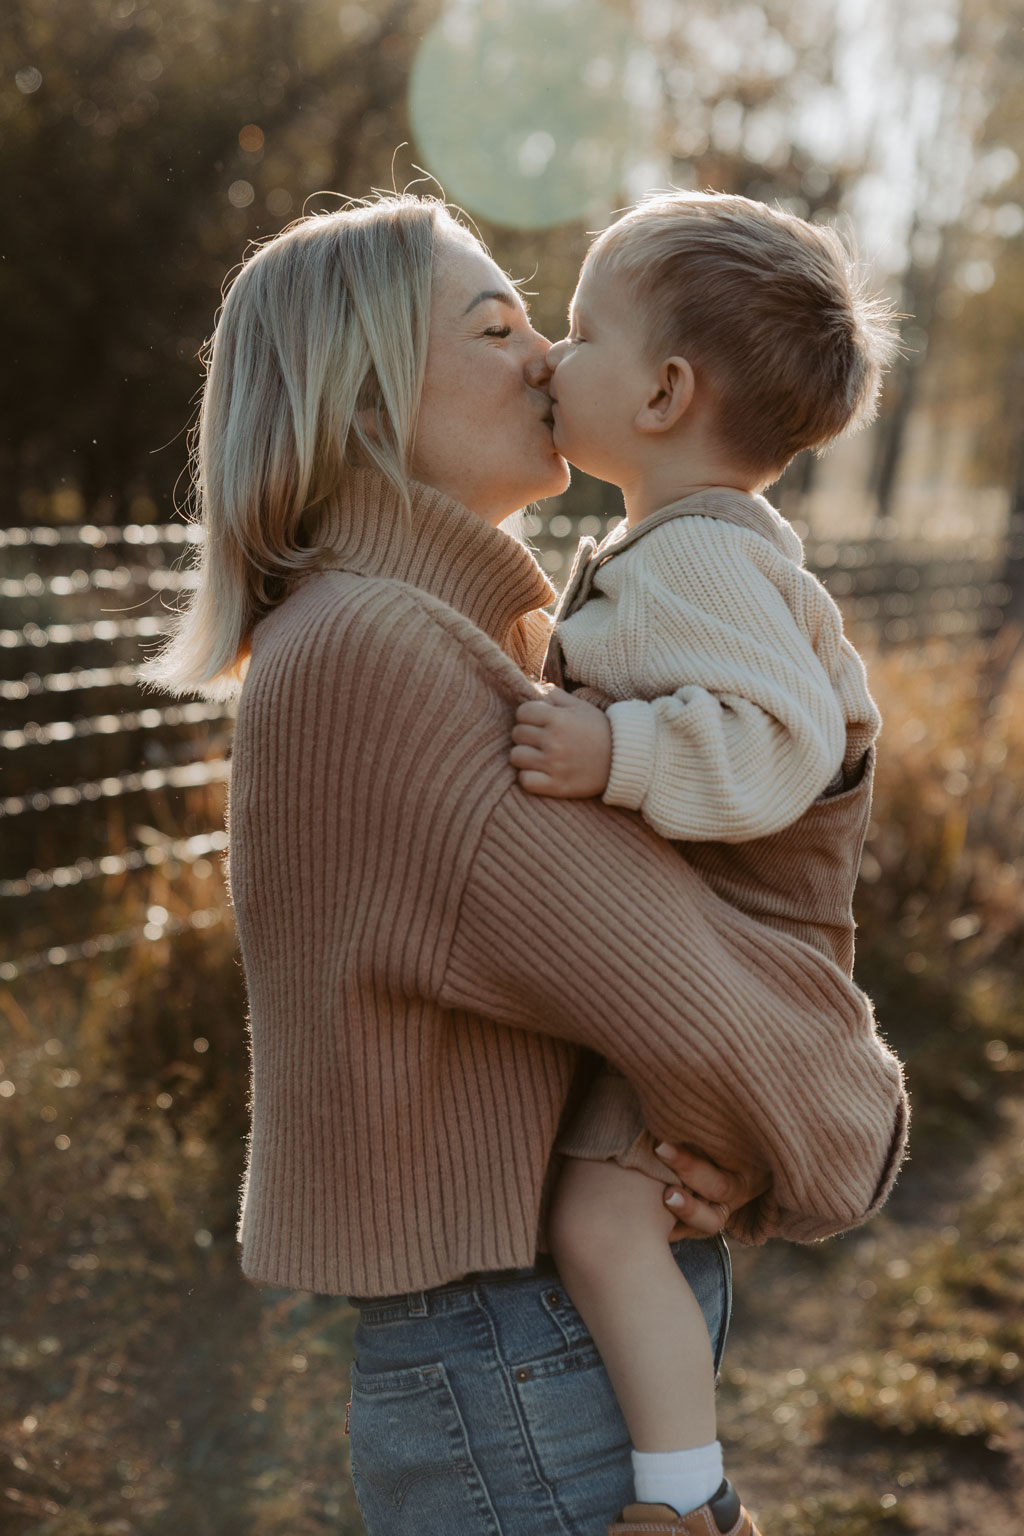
{"x": 769, "y": 309}
{"x": 315, "y": 367}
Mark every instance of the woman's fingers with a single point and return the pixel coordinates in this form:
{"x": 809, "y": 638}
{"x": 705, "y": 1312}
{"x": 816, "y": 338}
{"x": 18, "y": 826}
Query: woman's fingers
{"x": 706, "y": 1180}
{"x": 711, "y": 1186}
{"x": 694, "y": 1217}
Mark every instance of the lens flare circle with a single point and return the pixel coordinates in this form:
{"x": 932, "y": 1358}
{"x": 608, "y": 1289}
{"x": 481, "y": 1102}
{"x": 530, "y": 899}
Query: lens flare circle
{"x": 533, "y": 113}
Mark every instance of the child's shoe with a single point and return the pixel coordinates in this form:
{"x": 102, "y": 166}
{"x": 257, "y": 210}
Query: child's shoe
{"x": 722, "y": 1515}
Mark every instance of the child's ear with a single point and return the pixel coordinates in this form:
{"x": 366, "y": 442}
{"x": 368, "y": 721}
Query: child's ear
{"x": 671, "y": 398}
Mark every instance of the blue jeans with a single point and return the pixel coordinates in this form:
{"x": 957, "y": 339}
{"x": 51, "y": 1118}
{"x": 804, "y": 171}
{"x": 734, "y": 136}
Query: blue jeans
{"x": 482, "y": 1408}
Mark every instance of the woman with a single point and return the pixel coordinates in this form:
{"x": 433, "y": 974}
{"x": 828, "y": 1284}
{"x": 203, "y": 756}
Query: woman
{"x": 432, "y": 956}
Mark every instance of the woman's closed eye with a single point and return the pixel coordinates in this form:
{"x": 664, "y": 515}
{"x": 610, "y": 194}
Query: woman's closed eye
{"x": 498, "y": 330}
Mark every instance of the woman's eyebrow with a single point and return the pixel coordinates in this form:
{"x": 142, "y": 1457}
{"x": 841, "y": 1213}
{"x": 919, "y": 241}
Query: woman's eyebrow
{"x": 501, "y": 294}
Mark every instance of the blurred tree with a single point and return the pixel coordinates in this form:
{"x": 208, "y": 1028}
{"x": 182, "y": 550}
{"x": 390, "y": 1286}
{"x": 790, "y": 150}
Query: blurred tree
{"x": 899, "y": 118}
{"x": 144, "y": 142}
{"x": 141, "y": 145}
{"x": 976, "y": 344}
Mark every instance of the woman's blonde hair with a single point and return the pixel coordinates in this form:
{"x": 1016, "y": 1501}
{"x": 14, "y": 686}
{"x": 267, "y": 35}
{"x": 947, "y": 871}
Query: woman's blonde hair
{"x": 315, "y": 367}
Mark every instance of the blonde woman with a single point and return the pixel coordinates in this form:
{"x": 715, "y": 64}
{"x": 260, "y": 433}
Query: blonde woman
{"x": 435, "y": 959}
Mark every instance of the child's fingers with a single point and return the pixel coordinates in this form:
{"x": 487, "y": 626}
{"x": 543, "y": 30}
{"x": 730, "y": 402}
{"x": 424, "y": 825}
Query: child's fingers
{"x": 536, "y": 783}
{"x": 534, "y": 712}
{"x": 557, "y": 698}
{"x": 528, "y": 735}
{"x": 526, "y": 757}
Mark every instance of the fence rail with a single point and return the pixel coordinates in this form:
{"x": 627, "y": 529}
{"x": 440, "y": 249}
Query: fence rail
{"x": 136, "y": 750}
{"x": 76, "y": 680}
{"x": 96, "y": 537}
{"x": 185, "y": 777}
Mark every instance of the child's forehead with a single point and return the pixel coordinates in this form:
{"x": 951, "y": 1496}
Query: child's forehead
{"x": 600, "y": 288}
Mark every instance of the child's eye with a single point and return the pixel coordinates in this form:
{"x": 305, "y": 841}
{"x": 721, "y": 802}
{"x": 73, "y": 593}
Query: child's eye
{"x": 498, "y": 330}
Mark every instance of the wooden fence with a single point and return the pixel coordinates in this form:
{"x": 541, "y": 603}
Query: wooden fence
{"x": 79, "y": 606}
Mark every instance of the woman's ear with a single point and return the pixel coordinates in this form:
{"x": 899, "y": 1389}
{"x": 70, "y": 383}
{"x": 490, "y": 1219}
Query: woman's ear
{"x": 672, "y": 398}
{"x": 366, "y": 420}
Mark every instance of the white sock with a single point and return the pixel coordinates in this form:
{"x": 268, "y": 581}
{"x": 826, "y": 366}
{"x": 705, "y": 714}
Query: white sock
{"x": 684, "y": 1480}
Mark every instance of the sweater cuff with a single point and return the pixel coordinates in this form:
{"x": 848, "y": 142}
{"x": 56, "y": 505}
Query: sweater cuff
{"x": 608, "y": 1121}
{"x": 633, "y": 739}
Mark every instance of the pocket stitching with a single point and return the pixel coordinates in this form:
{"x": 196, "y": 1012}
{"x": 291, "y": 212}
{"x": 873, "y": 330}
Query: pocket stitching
{"x": 433, "y": 1380}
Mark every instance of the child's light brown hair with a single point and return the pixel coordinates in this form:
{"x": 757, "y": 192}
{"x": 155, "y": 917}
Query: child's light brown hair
{"x": 769, "y": 309}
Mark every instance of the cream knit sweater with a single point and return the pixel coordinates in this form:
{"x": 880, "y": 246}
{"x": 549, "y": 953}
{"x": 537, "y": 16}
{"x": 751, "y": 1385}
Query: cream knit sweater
{"x": 427, "y": 949}
{"x": 739, "y": 696}
{"x": 735, "y": 700}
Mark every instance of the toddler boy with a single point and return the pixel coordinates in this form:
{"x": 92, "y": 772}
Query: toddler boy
{"x": 708, "y": 685}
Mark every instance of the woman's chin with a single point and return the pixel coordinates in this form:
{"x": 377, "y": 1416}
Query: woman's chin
{"x": 561, "y": 446}
{"x": 556, "y": 480}
{"x": 562, "y": 483}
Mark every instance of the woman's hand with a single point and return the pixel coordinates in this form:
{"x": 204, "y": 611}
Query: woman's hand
{"x": 563, "y": 747}
{"x": 705, "y": 1195}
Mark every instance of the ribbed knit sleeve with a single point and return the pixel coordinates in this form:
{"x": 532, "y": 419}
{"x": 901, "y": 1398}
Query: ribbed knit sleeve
{"x": 741, "y": 1041}
{"x": 528, "y": 642}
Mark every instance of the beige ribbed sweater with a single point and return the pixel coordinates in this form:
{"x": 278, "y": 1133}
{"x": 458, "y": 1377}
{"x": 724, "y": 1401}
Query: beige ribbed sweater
{"x": 426, "y": 948}
{"x": 734, "y": 699}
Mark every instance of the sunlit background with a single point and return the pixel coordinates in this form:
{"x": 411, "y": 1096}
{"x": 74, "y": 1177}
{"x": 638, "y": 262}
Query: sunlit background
{"x": 872, "y": 1384}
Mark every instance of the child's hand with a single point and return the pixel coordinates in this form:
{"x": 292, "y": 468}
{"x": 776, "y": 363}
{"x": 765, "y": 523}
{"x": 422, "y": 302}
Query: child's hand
{"x": 563, "y": 747}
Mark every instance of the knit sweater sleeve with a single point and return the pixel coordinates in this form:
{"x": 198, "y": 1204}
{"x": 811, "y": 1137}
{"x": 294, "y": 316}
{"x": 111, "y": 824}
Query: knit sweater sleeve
{"x": 528, "y": 643}
{"x": 739, "y": 1041}
{"x": 727, "y": 725}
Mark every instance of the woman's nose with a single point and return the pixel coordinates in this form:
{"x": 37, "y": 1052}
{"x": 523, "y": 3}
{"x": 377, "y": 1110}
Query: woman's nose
{"x": 538, "y": 368}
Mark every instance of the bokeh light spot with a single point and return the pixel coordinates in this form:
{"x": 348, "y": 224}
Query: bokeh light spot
{"x": 534, "y": 113}
{"x": 355, "y": 23}
{"x": 241, "y": 194}
{"x": 28, "y": 80}
{"x": 976, "y": 276}
{"x": 250, "y": 138}
{"x": 279, "y": 202}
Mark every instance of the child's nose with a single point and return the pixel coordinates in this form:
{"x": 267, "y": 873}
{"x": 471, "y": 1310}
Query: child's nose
{"x": 555, "y": 355}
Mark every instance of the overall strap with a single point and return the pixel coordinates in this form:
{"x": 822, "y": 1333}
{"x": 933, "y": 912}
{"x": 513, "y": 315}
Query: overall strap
{"x": 721, "y": 503}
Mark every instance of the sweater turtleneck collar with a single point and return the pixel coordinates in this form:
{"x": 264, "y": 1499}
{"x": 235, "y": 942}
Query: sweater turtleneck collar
{"x": 443, "y": 548}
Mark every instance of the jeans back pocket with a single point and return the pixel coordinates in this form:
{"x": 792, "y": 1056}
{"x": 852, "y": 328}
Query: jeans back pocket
{"x": 411, "y": 1462}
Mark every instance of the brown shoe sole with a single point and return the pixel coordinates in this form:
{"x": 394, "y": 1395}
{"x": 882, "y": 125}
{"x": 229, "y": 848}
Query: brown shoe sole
{"x": 661, "y": 1520}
